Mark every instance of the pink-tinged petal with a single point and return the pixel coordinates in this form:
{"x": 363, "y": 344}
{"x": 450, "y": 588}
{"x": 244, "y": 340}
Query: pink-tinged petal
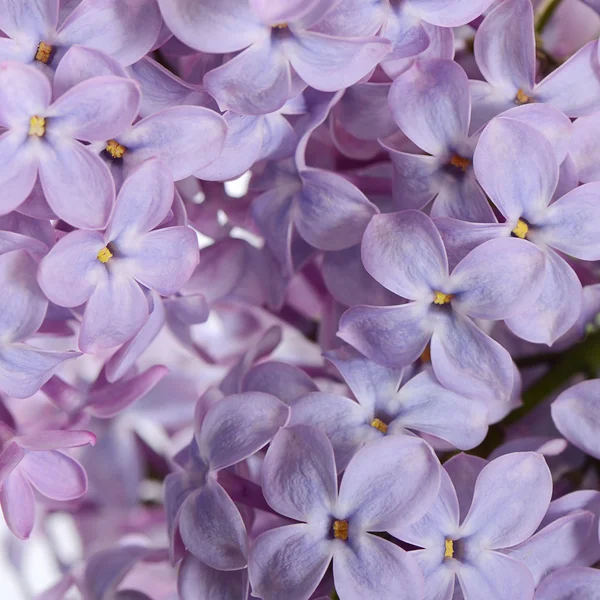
{"x": 212, "y": 528}
{"x": 24, "y": 92}
{"x": 23, "y": 303}
{"x": 35, "y": 19}
{"x": 12, "y": 454}
{"x": 425, "y": 406}
{"x": 255, "y": 82}
{"x": 124, "y": 30}
{"x": 197, "y": 580}
{"x": 215, "y": 26}
{"x": 430, "y": 103}
{"x": 343, "y": 421}
{"x": 288, "y": 562}
{"x": 563, "y": 90}
{"x": 330, "y": 63}
{"x": 463, "y": 470}
{"x": 556, "y": 545}
{"x": 18, "y": 505}
{"x": 11, "y": 241}
{"x": 570, "y": 583}
{"x": 487, "y": 101}
{"x": 238, "y": 426}
{"x": 462, "y": 198}
{"x": 495, "y": 576}
{"x": 331, "y": 212}
{"x": 513, "y": 285}
{"x": 80, "y": 63}
{"x": 557, "y": 308}
{"x": 115, "y": 312}
{"x": 56, "y": 440}
{"x": 371, "y": 567}
{"x": 511, "y": 497}
{"x": 285, "y": 382}
{"x": 69, "y": 273}
{"x": 572, "y": 224}
{"x": 299, "y": 475}
{"x": 505, "y": 47}
{"x": 77, "y": 184}
{"x": 405, "y": 253}
{"x": 574, "y": 413}
{"x": 112, "y": 399}
{"x": 24, "y": 369}
{"x": 184, "y": 138}
{"x": 449, "y": 13}
{"x": 519, "y": 182}
{"x": 96, "y": 109}
{"x": 164, "y": 259}
{"x": 354, "y": 18}
{"x": 584, "y": 149}
{"x": 55, "y": 475}
{"x": 19, "y": 170}
{"x": 439, "y": 522}
{"x": 469, "y": 362}
{"x": 390, "y": 482}
{"x": 394, "y": 336}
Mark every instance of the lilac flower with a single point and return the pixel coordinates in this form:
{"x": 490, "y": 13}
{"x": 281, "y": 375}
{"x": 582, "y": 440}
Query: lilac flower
{"x": 521, "y": 185}
{"x": 105, "y": 270}
{"x": 123, "y": 30}
{"x": 281, "y": 54}
{"x": 42, "y": 139}
{"x": 386, "y": 407}
{"x": 227, "y": 432}
{"x": 509, "y": 499}
{"x": 35, "y": 459}
{"x": 567, "y": 584}
{"x": 405, "y": 253}
{"x": 388, "y": 484}
{"x": 505, "y": 54}
{"x": 431, "y": 104}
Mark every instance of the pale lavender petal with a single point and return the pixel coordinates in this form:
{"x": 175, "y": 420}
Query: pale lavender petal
{"x": 24, "y": 92}
{"x": 36, "y": 19}
{"x": 17, "y": 502}
{"x": 570, "y": 584}
{"x": 449, "y": 13}
{"x": 56, "y": 440}
{"x": 299, "y": 475}
{"x": 584, "y": 149}
{"x": 406, "y": 31}
{"x": 197, "y": 580}
{"x": 19, "y": 170}
{"x": 462, "y": 198}
{"x": 511, "y": 497}
{"x": 463, "y": 470}
{"x": 11, "y": 456}
{"x": 487, "y": 102}
{"x": 239, "y": 426}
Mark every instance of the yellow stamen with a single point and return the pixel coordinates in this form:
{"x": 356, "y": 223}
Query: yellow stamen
{"x": 460, "y": 162}
{"x": 449, "y": 549}
{"x": 379, "y": 424}
{"x": 441, "y": 298}
{"x": 426, "y": 354}
{"x": 104, "y": 255}
{"x": 37, "y": 126}
{"x": 43, "y": 52}
{"x": 521, "y": 229}
{"x": 340, "y": 530}
{"x": 280, "y": 26}
{"x": 522, "y": 98}
{"x": 115, "y": 149}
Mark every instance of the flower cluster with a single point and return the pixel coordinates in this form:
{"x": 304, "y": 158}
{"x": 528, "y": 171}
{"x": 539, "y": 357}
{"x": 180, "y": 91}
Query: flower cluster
{"x": 300, "y": 299}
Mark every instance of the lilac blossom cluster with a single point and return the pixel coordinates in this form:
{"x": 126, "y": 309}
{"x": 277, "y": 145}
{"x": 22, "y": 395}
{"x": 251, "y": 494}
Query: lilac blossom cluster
{"x": 300, "y": 299}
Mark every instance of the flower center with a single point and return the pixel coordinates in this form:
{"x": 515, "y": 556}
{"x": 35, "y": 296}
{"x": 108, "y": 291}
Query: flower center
{"x": 340, "y": 530}
{"x": 441, "y": 298}
{"x": 521, "y": 229}
{"x": 104, "y": 255}
{"x": 460, "y": 162}
{"x": 43, "y": 52}
{"x": 37, "y": 126}
{"x": 522, "y": 98}
{"x": 279, "y": 26}
{"x": 115, "y": 149}
{"x": 449, "y": 549}
{"x": 426, "y": 354}
{"x": 379, "y": 424}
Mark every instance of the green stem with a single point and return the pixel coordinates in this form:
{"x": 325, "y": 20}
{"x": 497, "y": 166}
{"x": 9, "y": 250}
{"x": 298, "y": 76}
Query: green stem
{"x": 545, "y": 14}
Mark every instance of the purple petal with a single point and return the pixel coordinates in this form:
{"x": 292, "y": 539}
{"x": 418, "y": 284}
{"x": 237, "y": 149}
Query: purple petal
{"x": 405, "y": 253}
{"x": 197, "y": 580}
{"x": 288, "y": 561}
{"x": 462, "y": 198}
{"x": 505, "y": 47}
{"x": 19, "y": 170}
{"x": 390, "y": 482}
{"x": 37, "y": 19}
{"x": 370, "y": 567}
{"x": 56, "y": 440}
{"x": 449, "y": 13}
{"x": 331, "y": 212}
{"x": 463, "y": 470}
{"x": 11, "y": 456}
{"x": 17, "y": 502}
{"x": 574, "y": 582}
{"x": 393, "y": 336}
{"x": 511, "y": 497}
{"x": 212, "y": 528}
{"x": 583, "y": 148}
{"x": 406, "y": 31}
{"x": 330, "y": 63}
{"x": 30, "y": 97}
{"x": 431, "y": 104}
{"x": 238, "y": 426}
{"x": 487, "y": 102}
